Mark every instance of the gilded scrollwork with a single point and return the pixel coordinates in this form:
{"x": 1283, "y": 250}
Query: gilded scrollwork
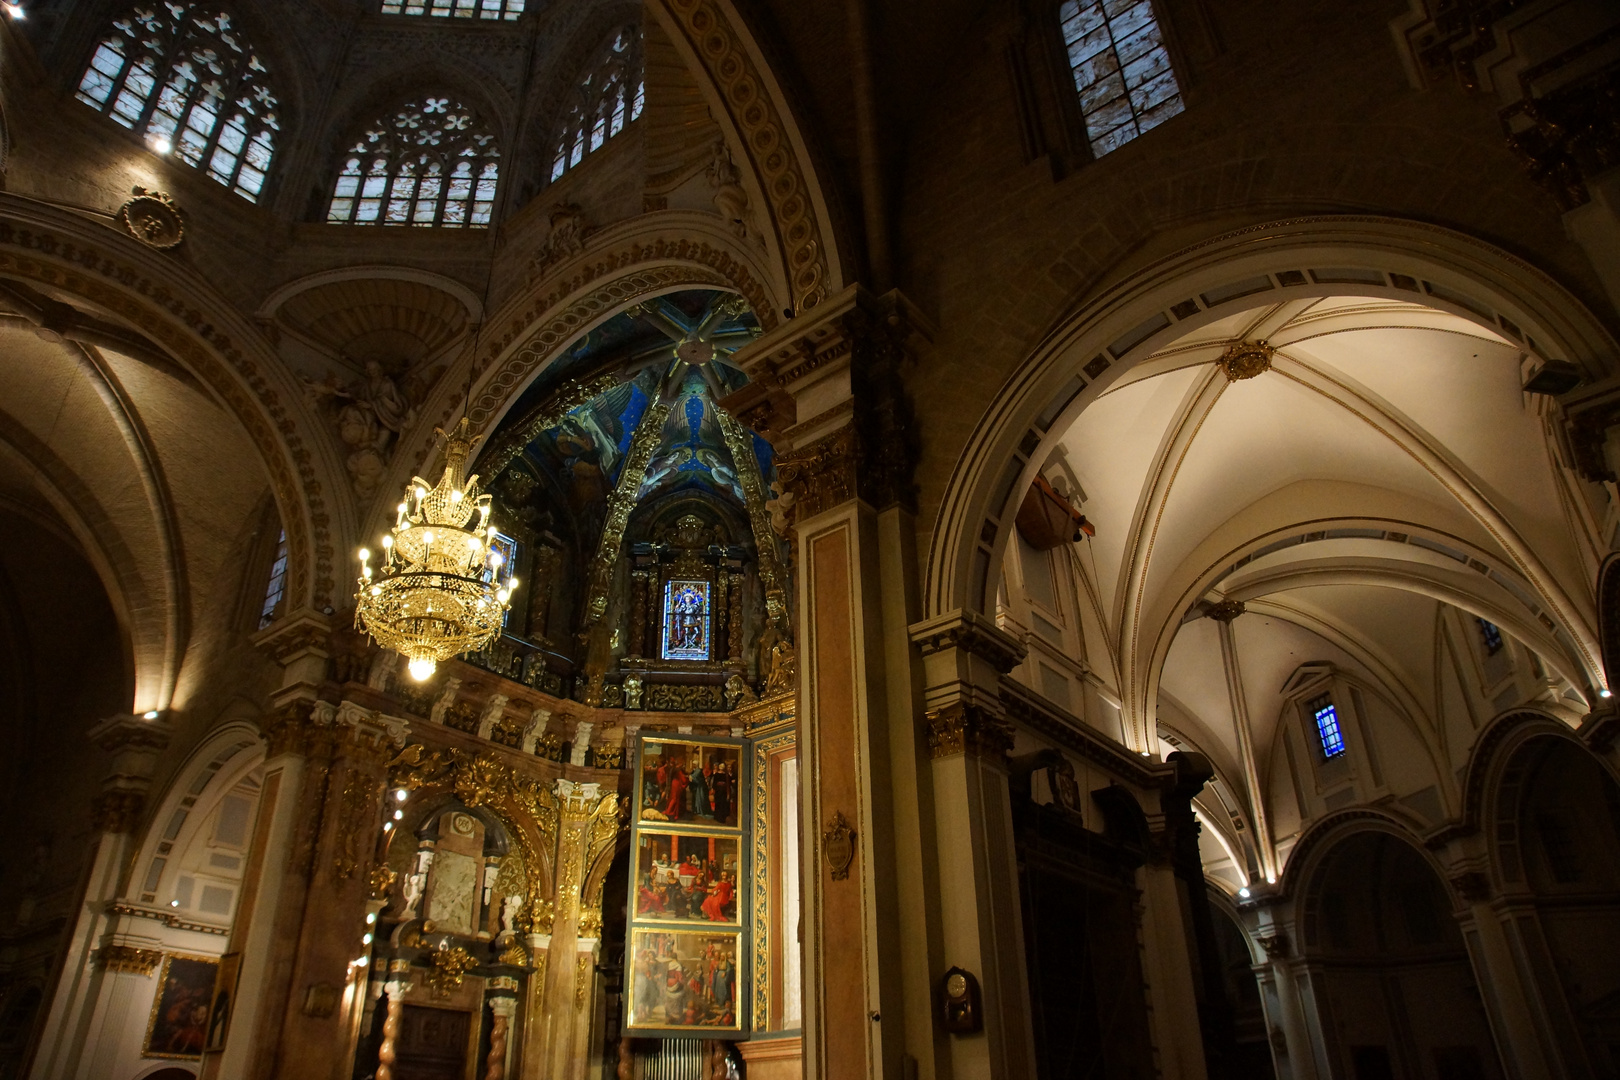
{"x": 740, "y": 444}
{"x": 619, "y": 504}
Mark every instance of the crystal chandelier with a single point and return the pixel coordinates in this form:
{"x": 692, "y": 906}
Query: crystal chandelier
{"x": 439, "y": 591}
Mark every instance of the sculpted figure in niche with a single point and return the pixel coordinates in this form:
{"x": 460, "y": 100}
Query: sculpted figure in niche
{"x": 738, "y": 692}
{"x": 778, "y": 666}
{"x": 371, "y": 413}
{"x": 632, "y": 691}
{"x": 729, "y": 197}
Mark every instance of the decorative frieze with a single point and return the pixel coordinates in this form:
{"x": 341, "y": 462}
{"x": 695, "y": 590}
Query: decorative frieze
{"x": 127, "y": 959}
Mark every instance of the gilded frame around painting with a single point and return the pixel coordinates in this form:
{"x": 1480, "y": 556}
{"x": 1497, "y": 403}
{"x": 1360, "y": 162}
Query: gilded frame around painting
{"x": 180, "y": 1007}
{"x": 688, "y": 956}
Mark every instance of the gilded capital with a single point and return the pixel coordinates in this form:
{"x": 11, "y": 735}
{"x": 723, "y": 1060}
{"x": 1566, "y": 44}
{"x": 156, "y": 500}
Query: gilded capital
{"x": 128, "y": 959}
{"x": 117, "y": 811}
{"x": 973, "y": 730}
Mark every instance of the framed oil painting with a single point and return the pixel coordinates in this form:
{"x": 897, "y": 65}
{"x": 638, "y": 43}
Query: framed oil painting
{"x": 684, "y": 979}
{"x": 180, "y": 1008}
{"x": 689, "y": 783}
{"x": 687, "y": 877}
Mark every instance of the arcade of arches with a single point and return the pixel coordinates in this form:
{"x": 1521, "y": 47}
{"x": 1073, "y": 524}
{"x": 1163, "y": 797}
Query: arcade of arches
{"x": 1053, "y": 539}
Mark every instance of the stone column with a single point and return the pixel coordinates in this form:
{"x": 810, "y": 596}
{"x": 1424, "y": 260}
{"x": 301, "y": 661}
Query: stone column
{"x": 1296, "y": 1059}
{"x": 828, "y": 394}
{"x": 307, "y": 890}
{"x": 980, "y": 924}
{"x": 134, "y": 744}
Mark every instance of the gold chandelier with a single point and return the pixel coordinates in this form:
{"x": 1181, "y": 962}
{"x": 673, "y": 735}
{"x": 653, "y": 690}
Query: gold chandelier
{"x": 439, "y": 591}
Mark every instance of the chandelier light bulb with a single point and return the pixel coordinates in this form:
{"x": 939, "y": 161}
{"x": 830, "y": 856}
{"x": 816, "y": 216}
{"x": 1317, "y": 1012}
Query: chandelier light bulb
{"x": 455, "y": 496}
{"x": 371, "y": 917}
{"x": 365, "y": 553}
{"x": 400, "y": 795}
{"x": 387, "y": 542}
{"x": 422, "y": 668}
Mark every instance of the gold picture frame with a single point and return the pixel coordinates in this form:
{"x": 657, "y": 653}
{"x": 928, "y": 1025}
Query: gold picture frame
{"x": 180, "y": 1007}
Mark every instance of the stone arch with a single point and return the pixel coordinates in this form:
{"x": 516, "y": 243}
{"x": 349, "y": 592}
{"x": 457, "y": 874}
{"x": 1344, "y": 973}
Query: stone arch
{"x": 1306, "y": 855}
{"x": 114, "y": 275}
{"x": 1499, "y": 743}
{"x": 748, "y": 103}
{"x": 1102, "y": 336}
{"x": 625, "y": 264}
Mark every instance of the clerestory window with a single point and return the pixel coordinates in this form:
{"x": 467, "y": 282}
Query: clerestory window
{"x": 608, "y": 96}
{"x": 1121, "y": 69}
{"x": 276, "y": 587}
{"x": 430, "y": 162}
{"x": 184, "y": 78}
{"x": 1328, "y": 732}
{"x": 458, "y": 9}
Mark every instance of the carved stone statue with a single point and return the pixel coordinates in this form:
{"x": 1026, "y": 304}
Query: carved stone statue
{"x": 729, "y": 197}
{"x": 509, "y": 913}
{"x": 371, "y": 412}
{"x": 567, "y": 239}
{"x": 780, "y": 507}
{"x": 738, "y": 692}
{"x": 632, "y": 691}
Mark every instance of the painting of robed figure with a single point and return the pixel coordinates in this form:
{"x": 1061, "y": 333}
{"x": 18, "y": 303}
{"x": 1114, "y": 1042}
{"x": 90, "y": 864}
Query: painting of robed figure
{"x": 684, "y": 979}
{"x": 687, "y": 877}
{"x": 689, "y": 783}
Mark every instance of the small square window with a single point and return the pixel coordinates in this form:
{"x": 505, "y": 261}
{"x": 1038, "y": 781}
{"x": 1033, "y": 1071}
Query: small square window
{"x": 1327, "y": 726}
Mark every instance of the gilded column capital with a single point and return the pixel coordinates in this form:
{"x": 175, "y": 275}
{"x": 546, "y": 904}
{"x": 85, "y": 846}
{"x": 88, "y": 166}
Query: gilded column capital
{"x": 963, "y": 728}
{"x": 127, "y": 959}
{"x": 821, "y": 475}
{"x": 117, "y": 811}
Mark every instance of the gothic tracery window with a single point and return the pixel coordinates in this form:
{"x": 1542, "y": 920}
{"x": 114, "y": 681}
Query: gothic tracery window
{"x": 1121, "y": 69}
{"x": 432, "y": 162}
{"x": 609, "y": 96}
{"x": 183, "y": 76}
{"x": 686, "y": 620}
{"x": 508, "y": 10}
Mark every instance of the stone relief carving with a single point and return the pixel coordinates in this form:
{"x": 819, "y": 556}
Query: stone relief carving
{"x": 369, "y": 413}
{"x": 729, "y": 197}
{"x": 569, "y": 231}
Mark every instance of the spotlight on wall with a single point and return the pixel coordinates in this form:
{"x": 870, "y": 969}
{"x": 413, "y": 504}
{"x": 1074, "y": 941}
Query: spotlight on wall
{"x": 149, "y": 714}
{"x": 1244, "y": 892}
{"x": 160, "y": 144}
{"x": 1605, "y": 693}
{"x": 15, "y": 11}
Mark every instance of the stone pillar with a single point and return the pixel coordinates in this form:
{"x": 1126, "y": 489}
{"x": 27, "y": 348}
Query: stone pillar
{"x": 980, "y": 926}
{"x": 1223, "y": 614}
{"x": 307, "y": 890}
{"x": 94, "y": 969}
{"x": 1296, "y": 1059}
{"x": 828, "y": 392}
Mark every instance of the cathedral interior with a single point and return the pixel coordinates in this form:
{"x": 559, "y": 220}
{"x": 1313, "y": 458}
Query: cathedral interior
{"x": 751, "y": 539}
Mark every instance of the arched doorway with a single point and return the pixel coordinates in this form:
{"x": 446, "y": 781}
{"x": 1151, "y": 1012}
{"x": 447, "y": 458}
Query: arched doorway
{"x": 1251, "y": 1035}
{"x": 1393, "y": 987}
{"x": 1558, "y": 830}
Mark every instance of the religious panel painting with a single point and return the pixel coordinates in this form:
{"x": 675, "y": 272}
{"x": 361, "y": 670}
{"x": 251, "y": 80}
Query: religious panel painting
{"x": 689, "y": 783}
{"x": 687, "y": 877}
{"x": 686, "y": 620}
{"x": 179, "y": 1024}
{"x": 684, "y": 979}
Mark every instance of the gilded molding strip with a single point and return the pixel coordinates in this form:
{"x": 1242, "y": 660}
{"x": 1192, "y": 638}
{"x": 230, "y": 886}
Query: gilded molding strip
{"x": 621, "y": 502}
{"x": 763, "y": 749}
{"x": 766, "y": 143}
{"x": 740, "y": 444}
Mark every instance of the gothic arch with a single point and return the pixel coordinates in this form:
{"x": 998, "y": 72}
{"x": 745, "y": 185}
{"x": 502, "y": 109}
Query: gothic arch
{"x": 114, "y": 275}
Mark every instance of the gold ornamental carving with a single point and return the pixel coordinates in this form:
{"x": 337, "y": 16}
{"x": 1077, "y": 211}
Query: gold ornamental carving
{"x": 379, "y": 881}
{"x": 967, "y": 729}
{"x": 619, "y": 504}
{"x": 838, "y": 845}
{"x": 1246, "y": 359}
{"x": 117, "y": 811}
{"x": 582, "y": 979}
{"x": 153, "y": 218}
{"x": 448, "y": 969}
{"x": 739, "y": 443}
{"x": 126, "y": 959}
{"x": 358, "y": 793}
{"x": 820, "y": 476}
{"x": 516, "y": 955}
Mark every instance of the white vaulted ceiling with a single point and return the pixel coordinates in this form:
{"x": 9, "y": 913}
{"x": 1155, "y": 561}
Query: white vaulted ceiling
{"x": 1386, "y": 469}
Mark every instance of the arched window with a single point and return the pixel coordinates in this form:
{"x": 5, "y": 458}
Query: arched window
{"x": 277, "y": 584}
{"x": 1121, "y": 69}
{"x": 609, "y": 96}
{"x": 464, "y": 9}
{"x": 433, "y": 162}
{"x": 183, "y": 77}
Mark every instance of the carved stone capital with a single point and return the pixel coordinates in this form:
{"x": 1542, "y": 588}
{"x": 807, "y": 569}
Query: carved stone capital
{"x": 962, "y": 728}
{"x": 293, "y": 637}
{"x": 117, "y": 811}
{"x": 1472, "y": 885}
{"x": 127, "y": 959}
{"x": 970, "y": 633}
{"x": 1276, "y": 945}
{"x": 821, "y": 475}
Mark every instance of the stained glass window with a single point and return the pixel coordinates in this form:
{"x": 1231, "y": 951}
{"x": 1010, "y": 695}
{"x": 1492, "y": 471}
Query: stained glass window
{"x": 277, "y": 584}
{"x": 432, "y": 162}
{"x": 463, "y": 9}
{"x": 1327, "y": 726}
{"x": 183, "y": 77}
{"x": 1492, "y": 637}
{"x": 609, "y": 95}
{"x": 686, "y": 620}
{"x": 1121, "y": 69}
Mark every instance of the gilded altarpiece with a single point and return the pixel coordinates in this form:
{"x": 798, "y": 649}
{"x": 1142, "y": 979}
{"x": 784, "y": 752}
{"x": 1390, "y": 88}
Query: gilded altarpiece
{"x": 774, "y": 835}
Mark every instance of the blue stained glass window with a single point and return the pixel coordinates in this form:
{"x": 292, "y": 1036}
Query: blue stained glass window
{"x": 278, "y": 582}
{"x": 1327, "y": 726}
{"x": 686, "y": 620}
{"x": 1492, "y": 635}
